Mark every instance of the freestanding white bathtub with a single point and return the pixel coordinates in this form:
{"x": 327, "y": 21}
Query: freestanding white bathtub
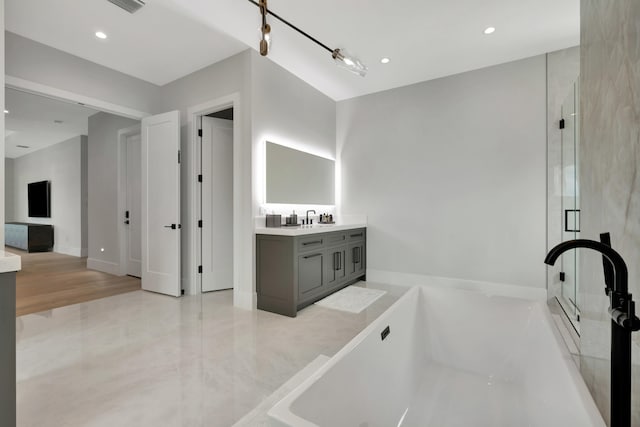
{"x": 451, "y": 358}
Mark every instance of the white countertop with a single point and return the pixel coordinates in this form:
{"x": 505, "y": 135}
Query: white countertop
{"x": 9, "y": 262}
{"x": 302, "y": 230}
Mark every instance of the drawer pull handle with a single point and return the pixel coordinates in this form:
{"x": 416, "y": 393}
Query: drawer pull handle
{"x": 315, "y": 242}
{"x": 357, "y": 235}
{"x": 312, "y": 256}
{"x": 356, "y": 255}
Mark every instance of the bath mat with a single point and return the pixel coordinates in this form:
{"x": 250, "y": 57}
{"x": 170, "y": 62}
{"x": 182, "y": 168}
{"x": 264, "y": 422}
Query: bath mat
{"x": 258, "y": 416}
{"x": 353, "y": 299}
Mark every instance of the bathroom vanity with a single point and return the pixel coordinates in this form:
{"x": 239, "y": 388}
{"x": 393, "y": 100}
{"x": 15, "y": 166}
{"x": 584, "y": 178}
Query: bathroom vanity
{"x": 9, "y": 264}
{"x": 298, "y": 266}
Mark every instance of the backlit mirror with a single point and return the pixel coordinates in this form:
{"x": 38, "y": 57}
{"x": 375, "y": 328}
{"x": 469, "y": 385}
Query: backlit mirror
{"x": 296, "y": 177}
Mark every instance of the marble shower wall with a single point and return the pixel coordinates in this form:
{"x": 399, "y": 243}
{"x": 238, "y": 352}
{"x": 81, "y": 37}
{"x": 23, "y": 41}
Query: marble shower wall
{"x": 609, "y": 176}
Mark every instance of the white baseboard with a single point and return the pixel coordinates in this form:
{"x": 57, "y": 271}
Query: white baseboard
{"x": 104, "y": 266}
{"x": 245, "y": 300}
{"x": 502, "y": 289}
{"x": 68, "y": 250}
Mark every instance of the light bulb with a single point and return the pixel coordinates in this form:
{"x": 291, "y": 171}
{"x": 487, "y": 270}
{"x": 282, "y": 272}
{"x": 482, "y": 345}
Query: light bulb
{"x": 349, "y": 62}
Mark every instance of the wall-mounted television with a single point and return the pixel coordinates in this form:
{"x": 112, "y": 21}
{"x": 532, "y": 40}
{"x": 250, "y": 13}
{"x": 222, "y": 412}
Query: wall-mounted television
{"x": 40, "y": 199}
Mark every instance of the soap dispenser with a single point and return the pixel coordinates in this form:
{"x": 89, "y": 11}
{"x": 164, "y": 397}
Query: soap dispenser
{"x": 294, "y": 218}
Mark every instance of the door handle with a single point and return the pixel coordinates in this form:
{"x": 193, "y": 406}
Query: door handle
{"x": 173, "y": 226}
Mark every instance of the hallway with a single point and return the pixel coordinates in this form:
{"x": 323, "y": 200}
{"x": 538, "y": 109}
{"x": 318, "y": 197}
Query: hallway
{"x": 51, "y": 280}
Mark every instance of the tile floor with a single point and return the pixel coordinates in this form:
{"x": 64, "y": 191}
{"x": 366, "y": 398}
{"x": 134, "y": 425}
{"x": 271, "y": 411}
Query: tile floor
{"x": 142, "y": 359}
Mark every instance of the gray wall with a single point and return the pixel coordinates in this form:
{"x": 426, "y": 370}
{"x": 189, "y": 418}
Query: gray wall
{"x": 213, "y": 82}
{"x": 8, "y": 190}
{"x": 102, "y": 187}
{"x": 609, "y": 160}
{"x": 451, "y": 174}
{"x": 29, "y": 60}
{"x": 62, "y": 165}
{"x": 286, "y": 110}
{"x": 273, "y": 103}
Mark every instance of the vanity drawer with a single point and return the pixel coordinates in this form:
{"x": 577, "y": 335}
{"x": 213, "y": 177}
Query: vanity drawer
{"x": 333, "y": 239}
{"x": 311, "y": 243}
{"x": 356, "y": 235}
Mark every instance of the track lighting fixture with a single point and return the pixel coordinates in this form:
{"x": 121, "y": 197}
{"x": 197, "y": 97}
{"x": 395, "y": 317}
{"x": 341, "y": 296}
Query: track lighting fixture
{"x": 265, "y": 42}
{"x": 341, "y": 57}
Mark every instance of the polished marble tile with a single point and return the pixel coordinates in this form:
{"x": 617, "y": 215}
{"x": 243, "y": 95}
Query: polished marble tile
{"x": 145, "y": 359}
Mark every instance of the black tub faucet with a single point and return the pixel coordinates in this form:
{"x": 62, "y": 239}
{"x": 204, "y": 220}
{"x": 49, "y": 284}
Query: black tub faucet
{"x": 623, "y": 321}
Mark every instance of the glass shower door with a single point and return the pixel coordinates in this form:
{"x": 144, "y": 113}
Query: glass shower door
{"x": 570, "y": 204}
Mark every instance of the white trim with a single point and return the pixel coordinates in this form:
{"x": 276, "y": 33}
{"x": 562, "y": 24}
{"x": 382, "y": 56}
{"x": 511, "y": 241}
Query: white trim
{"x": 193, "y": 285}
{"x": 64, "y": 95}
{"x": 502, "y": 289}
{"x": 123, "y": 134}
{"x": 77, "y": 252}
{"x": 104, "y": 266}
{"x": 245, "y": 300}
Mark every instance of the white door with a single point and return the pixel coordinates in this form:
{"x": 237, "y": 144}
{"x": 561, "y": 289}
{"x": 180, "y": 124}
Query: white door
{"x": 217, "y": 204}
{"x": 133, "y": 206}
{"x": 161, "y": 203}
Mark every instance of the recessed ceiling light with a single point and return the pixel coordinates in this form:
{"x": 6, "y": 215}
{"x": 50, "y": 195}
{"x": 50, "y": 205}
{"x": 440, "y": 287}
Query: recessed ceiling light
{"x": 489, "y": 30}
{"x": 101, "y": 35}
{"x": 385, "y": 60}
{"x": 6, "y": 111}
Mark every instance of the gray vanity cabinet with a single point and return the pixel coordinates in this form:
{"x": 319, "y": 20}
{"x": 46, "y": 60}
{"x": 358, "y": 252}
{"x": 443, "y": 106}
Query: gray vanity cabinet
{"x": 355, "y": 259}
{"x": 310, "y": 274}
{"x": 336, "y": 269}
{"x": 295, "y": 271}
{"x": 356, "y": 253}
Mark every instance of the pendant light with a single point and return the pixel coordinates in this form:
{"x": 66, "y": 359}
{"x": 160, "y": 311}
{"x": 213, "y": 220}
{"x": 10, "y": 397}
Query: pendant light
{"x": 342, "y": 58}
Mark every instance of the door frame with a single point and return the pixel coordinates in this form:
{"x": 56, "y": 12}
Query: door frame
{"x": 194, "y": 279}
{"x": 95, "y": 103}
{"x": 68, "y": 96}
{"x": 123, "y": 134}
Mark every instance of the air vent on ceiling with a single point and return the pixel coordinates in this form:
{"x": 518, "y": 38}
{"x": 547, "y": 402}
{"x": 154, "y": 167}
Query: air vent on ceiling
{"x": 130, "y": 6}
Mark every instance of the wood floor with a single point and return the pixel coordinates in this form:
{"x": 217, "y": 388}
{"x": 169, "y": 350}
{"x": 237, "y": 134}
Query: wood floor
{"x": 50, "y": 280}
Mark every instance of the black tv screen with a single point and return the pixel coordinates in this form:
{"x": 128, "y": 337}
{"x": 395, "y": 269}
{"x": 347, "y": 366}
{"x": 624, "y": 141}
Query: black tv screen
{"x": 39, "y": 199}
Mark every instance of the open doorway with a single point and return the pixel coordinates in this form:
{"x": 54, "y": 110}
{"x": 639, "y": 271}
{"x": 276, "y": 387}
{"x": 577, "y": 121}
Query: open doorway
{"x": 130, "y": 206}
{"x": 60, "y": 143}
{"x": 216, "y": 195}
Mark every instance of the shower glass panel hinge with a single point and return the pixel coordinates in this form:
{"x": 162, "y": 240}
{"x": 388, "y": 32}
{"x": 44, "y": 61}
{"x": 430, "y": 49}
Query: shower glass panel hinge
{"x": 200, "y": 269}
{"x": 562, "y": 278}
{"x": 199, "y": 223}
{"x": 199, "y": 178}
{"x": 200, "y": 133}
{"x": 561, "y": 124}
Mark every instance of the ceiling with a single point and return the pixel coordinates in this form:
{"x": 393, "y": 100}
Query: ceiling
{"x": 31, "y": 122}
{"x": 155, "y": 44}
{"x": 425, "y": 39}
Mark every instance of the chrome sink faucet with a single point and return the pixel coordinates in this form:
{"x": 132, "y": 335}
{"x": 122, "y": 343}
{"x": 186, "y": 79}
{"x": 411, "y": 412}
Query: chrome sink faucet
{"x": 307, "y": 221}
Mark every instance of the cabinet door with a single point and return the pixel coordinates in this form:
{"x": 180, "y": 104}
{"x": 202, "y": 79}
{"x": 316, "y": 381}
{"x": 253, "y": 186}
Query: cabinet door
{"x": 336, "y": 270}
{"x": 355, "y": 260}
{"x": 310, "y": 274}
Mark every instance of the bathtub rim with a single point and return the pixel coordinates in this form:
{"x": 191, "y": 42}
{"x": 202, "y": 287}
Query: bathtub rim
{"x": 281, "y": 413}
